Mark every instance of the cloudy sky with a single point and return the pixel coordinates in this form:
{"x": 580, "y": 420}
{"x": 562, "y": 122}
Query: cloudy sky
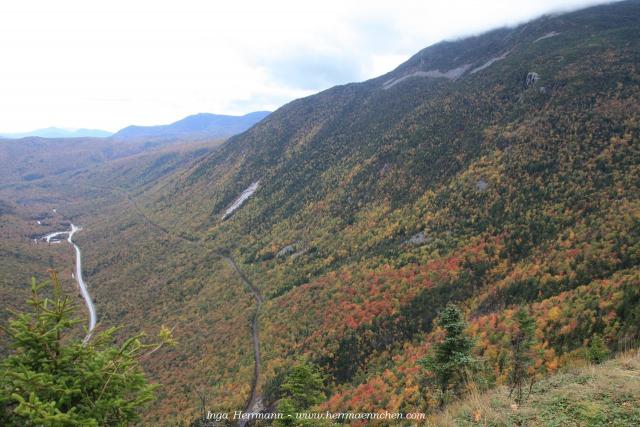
{"x": 108, "y": 64}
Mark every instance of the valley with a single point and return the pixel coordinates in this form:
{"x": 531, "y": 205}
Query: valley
{"x": 497, "y": 172}
{"x": 253, "y": 403}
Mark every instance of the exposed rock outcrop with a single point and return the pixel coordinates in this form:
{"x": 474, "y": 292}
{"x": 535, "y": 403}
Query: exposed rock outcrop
{"x": 546, "y": 36}
{"x": 482, "y": 185}
{"x": 287, "y": 250}
{"x": 532, "y": 78}
{"x": 452, "y": 74}
{"x": 489, "y": 62}
{"x": 417, "y": 239}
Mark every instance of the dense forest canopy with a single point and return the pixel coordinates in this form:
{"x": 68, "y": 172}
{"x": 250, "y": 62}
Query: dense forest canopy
{"x": 497, "y": 173}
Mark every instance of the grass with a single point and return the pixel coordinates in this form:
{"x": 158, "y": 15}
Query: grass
{"x": 592, "y": 395}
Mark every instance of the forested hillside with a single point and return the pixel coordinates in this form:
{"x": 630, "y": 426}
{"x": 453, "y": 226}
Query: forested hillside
{"x": 498, "y": 172}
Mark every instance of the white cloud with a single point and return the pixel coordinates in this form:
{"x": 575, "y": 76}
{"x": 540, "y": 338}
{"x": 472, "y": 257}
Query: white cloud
{"x": 80, "y": 63}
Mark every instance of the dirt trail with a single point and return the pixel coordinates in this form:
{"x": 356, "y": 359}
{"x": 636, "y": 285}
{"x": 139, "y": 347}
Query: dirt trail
{"x": 253, "y": 398}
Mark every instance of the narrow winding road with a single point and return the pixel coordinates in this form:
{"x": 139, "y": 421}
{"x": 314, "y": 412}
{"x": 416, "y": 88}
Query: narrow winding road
{"x": 83, "y": 286}
{"x": 78, "y": 276}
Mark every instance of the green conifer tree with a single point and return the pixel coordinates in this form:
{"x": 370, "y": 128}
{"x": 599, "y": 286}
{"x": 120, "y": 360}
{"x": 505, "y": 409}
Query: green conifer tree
{"x": 521, "y": 355}
{"x": 51, "y": 378}
{"x": 597, "y": 352}
{"x": 301, "y": 389}
{"x": 451, "y": 358}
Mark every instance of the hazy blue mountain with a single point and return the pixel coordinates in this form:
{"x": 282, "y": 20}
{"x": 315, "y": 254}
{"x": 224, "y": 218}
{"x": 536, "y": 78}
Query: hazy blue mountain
{"x": 53, "y": 155}
{"x": 197, "y": 126}
{"x": 54, "y": 132}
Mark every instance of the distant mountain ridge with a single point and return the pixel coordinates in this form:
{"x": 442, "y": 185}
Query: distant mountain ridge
{"x": 50, "y": 154}
{"x": 197, "y": 126}
{"x": 54, "y": 132}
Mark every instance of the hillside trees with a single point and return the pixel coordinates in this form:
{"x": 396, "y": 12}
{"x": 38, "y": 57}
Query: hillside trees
{"x": 597, "y": 350}
{"x": 301, "y": 388}
{"x": 521, "y": 355}
{"x": 451, "y": 357}
{"x": 52, "y": 378}
{"x": 350, "y": 175}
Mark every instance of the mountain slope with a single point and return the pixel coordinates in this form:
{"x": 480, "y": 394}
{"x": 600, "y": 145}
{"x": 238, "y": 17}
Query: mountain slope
{"x": 422, "y": 129}
{"x": 198, "y": 126}
{"x": 495, "y": 172}
{"x": 590, "y": 395}
{"x": 507, "y": 158}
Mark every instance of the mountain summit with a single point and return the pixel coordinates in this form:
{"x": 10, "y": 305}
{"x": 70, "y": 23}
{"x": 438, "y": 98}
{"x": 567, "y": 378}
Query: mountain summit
{"x": 197, "y": 126}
